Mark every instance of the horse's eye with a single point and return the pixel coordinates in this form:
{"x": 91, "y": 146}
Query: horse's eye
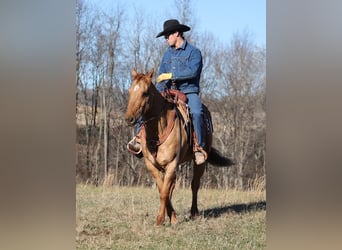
{"x": 145, "y": 94}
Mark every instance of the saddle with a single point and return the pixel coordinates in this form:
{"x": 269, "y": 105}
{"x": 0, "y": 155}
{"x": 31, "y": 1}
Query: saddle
{"x": 180, "y": 100}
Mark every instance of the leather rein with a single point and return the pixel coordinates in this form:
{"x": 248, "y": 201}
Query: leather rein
{"x": 154, "y": 144}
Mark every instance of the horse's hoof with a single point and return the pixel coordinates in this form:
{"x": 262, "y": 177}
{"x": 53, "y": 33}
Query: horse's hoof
{"x": 194, "y": 215}
{"x": 159, "y": 222}
{"x": 174, "y": 221}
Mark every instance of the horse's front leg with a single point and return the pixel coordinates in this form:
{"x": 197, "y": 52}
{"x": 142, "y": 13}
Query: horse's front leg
{"x": 165, "y": 192}
{"x": 169, "y": 208}
{"x": 157, "y": 176}
{"x": 195, "y": 184}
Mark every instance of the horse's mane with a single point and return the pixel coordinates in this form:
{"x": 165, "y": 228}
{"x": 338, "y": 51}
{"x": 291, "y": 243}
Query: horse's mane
{"x": 140, "y": 76}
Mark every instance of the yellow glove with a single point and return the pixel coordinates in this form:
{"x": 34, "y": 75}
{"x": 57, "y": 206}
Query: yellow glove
{"x": 164, "y": 76}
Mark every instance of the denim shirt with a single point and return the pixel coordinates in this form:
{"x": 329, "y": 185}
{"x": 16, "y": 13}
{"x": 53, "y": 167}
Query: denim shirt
{"x": 185, "y": 64}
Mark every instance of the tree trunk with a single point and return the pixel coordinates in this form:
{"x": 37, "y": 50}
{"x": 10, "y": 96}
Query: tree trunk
{"x": 105, "y": 128}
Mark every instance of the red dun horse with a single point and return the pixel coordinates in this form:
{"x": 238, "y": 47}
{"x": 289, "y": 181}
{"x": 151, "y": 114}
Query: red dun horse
{"x": 164, "y": 142}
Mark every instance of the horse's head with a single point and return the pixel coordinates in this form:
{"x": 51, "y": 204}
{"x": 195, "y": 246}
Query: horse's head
{"x": 138, "y": 102}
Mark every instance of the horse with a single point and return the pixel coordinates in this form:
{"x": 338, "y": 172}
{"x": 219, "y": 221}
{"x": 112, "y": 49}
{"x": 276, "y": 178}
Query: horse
{"x": 165, "y": 142}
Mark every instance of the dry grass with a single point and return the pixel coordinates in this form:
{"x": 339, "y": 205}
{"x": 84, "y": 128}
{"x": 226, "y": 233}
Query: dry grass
{"x": 124, "y": 217}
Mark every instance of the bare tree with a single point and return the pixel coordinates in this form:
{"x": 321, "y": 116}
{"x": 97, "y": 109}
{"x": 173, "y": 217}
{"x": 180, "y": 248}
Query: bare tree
{"x": 86, "y": 97}
{"x": 242, "y": 68}
{"x": 209, "y": 78}
{"x": 112, "y": 28}
{"x": 185, "y": 15}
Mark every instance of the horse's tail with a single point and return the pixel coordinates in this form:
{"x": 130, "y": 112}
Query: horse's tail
{"x": 217, "y": 159}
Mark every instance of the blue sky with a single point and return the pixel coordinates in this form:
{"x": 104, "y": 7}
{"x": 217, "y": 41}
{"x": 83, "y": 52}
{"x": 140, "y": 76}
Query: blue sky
{"x": 222, "y": 18}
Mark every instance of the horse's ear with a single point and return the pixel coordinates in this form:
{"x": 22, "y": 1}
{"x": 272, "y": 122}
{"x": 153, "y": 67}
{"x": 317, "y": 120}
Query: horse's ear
{"x": 150, "y": 74}
{"x": 134, "y": 73}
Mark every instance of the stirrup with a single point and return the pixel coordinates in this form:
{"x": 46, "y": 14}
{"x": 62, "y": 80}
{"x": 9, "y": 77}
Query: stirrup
{"x": 131, "y": 149}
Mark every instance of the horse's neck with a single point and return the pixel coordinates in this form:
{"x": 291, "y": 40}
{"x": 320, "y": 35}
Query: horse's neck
{"x": 156, "y": 119}
{"x": 155, "y": 103}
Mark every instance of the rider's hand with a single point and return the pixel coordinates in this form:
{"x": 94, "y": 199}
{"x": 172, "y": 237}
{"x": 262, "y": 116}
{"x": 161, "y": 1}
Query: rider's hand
{"x": 164, "y": 76}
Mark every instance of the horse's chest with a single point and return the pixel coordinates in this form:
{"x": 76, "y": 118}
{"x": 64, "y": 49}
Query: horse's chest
{"x": 160, "y": 155}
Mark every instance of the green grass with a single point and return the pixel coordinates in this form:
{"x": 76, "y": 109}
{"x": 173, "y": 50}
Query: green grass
{"x": 124, "y": 218}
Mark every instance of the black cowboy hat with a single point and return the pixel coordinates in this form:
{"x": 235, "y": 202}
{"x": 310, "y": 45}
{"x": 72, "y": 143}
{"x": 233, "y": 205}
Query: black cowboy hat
{"x": 173, "y": 25}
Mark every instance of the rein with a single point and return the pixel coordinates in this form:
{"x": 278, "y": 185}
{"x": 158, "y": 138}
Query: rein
{"x": 179, "y": 115}
{"x": 151, "y": 119}
{"x": 168, "y": 130}
{"x": 153, "y": 144}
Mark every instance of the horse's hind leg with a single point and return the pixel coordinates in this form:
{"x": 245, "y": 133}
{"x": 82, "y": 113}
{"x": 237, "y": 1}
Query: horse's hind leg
{"x": 195, "y": 184}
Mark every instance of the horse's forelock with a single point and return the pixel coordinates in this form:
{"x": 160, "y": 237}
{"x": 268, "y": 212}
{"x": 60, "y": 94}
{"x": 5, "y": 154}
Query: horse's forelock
{"x": 138, "y": 76}
{"x": 142, "y": 77}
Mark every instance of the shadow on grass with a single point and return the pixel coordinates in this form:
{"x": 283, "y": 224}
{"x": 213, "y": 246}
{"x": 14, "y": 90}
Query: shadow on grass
{"x": 234, "y": 209}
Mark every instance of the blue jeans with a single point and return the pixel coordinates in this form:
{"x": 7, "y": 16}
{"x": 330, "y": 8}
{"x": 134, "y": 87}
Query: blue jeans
{"x": 196, "y": 110}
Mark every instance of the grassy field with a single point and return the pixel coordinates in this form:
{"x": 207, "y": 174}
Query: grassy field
{"x": 124, "y": 218}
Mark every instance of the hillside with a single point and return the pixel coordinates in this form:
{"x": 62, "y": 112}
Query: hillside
{"x": 124, "y": 217}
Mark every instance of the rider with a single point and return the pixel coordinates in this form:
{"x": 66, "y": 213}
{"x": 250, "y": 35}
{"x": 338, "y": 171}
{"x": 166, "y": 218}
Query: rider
{"x": 181, "y": 65}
